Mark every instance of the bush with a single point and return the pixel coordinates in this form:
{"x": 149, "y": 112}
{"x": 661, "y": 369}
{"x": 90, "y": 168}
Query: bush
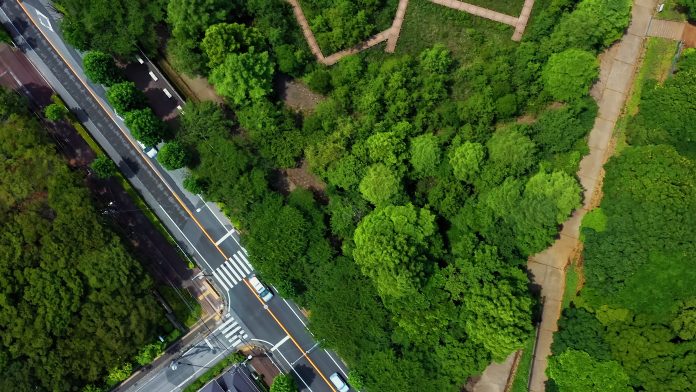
{"x": 145, "y": 126}
{"x": 125, "y": 97}
{"x": 103, "y": 167}
{"x": 215, "y": 371}
{"x": 148, "y": 353}
{"x": 569, "y": 75}
{"x": 173, "y": 155}
{"x": 320, "y": 81}
{"x": 283, "y": 383}
{"x": 118, "y": 374}
{"x": 55, "y": 112}
{"x": 101, "y": 68}
{"x": 195, "y": 185}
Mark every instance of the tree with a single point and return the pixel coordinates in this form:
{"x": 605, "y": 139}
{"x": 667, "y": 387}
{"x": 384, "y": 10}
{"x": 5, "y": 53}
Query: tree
{"x": 202, "y": 121}
{"x": 397, "y": 248}
{"x": 466, "y": 160}
{"x": 243, "y": 77}
{"x": 685, "y": 322}
{"x": 380, "y": 184}
{"x": 125, "y": 97}
{"x": 145, "y": 126}
{"x": 11, "y": 103}
{"x": 226, "y": 38}
{"x": 283, "y": 383}
{"x": 510, "y": 153}
{"x": 580, "y": 330}
{"x": 569, "y": 75}
{"x": 173, "y": 155}
{"x": 114, "y": 27}
{"x": 690, "y": 6}
{"x": 425, "y": 155}
{"x": 576, "y": 371}
{"x": 55, "y": 112}
{"x": 101, "y": 68}
{"x": 103, "y": 167}
{"x": 437, "y": 59}
{"x": 195, "y": 185}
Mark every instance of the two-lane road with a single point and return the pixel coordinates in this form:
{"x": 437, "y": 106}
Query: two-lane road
{"x": 198, "y": 226}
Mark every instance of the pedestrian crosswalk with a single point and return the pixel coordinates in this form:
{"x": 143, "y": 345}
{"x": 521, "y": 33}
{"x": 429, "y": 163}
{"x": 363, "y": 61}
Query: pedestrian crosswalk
{"x": 233, "y": 332}
{"x": 233, "y": 270}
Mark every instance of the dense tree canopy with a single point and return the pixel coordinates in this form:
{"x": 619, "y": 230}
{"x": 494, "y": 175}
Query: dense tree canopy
{"x": 114, "y": 27}
{"x": 125, "y": 97}
{"x": 145, "y": 126}
{"x": 577, "y": 371}
{"x": 101, "y": 68}
{"x": 74, "y": 301}
{"x": 569, "y": 75}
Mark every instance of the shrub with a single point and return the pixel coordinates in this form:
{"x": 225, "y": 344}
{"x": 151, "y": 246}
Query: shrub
{"x": 101, "y": 68}
{"x": 103, "y": 167}
{"x": 173, "y": 155}
{"x": 55, "y": 112}
{"x": 569, "y": 75}
{"x": 283, "y": 383}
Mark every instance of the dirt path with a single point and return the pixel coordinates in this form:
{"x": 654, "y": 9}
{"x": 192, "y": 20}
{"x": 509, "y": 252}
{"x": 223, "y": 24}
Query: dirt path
{"x": 391, "y": 35}
{"x": 618, "y": 66}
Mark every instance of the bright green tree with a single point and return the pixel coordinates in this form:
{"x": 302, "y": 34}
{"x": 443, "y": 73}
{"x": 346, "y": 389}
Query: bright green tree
{"x": 145, "y": 126}
{"x": 125, "y": 97}
{"x": 380, "y": 184}
{"x": 173, "y": 155}
{"x": 283, "y": 383}
{"x": 55, "y": 112}
{"x": 576, "y": 371}
{"x": 466, "y": 160}
{"x": 397, "y": 247}
{"x": 225, "y": 38}
{"x": 103, "y": 167}
{"x": 243, "y": 77}
{"x": 101, "y": 68}
{"x": 569, "y": 75}
{"x": 425, "y": 155}
{"x": 202, "y": 121}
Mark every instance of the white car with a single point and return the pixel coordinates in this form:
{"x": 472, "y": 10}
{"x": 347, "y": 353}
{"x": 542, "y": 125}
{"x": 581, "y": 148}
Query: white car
{"x": 261, "y": 290}
{"x": 338, "y": 382}
{"x": 149, "y": 151}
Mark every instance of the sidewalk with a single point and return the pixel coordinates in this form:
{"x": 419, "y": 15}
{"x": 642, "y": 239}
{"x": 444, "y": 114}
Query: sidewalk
{"x": 617, "y": 68}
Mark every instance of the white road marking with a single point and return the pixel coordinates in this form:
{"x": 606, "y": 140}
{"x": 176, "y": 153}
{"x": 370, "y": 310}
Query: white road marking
{"x": 296, "y": 315}
{"x": 43, "y": 19}
{"x": 334, "y": 361}
{"x": 223, "y": 280}
{"x": 229, "y": 327}
{"x": 224, "y": 237}
{"x": 285, "y": 339}
{"x": 228, "y": 267}
{"x": 209, "y": 345}
{"x": 295, "y": 371}
{"x": 242, "y": 261}
{"x": 238, "y": 268}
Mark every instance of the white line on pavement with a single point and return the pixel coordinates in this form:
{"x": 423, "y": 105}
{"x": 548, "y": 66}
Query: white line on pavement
{"x": 295, "y": 371}
{"x": 285, "y": 339}
{"x": 296, "y": 315}
{"x": 334, "y": 361}
{"x": 224, "y": 237}
{"x": 228, "y": 267}
{"x": 239, "y": 266}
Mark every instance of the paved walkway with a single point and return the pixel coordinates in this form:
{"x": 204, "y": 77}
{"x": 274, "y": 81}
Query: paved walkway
{"x": 391, "y": 35}
{"x": 618, "y": 66}
{"x": 666, "y": 29}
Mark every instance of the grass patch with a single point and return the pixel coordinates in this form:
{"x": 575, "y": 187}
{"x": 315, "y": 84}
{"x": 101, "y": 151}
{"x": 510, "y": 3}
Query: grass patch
{"x": 510, "y": 7}
{"x": 464, "y": 34}
{"x": 672, "y": 11}
{"x": 571, "y": 285}
{"x": 214, "y": 371}
{"x": 522, "y": 373}
{"x": 186, "y": 309}
{"x": 657, "y": 62}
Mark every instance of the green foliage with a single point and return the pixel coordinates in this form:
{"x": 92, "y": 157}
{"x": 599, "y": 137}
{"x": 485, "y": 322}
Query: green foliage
{"x": 580, "y": 330}
{"x": 115, "y": 27}
{"x": 148, "y": 353}
{"x": 55, "y": 112}
{"x": 203, "y": 121}
{"x": 5, "y": 36}
{"x": 185, "y": 307}
{"x": 690, "y": 5}
{"x": 226, "y": 38}
{"x": 593, "y": 25}
{"x": 11, "y": 103}
{"x": 173, "y": 155}
{"x": 340, "y": 24}
{"x": 243, "y": 77}
{"x": 395, "y": 246}
{"x": 569, "y": 75}
{"x": 283, "y": 383}
{"x": 380, "y": 185}
{"x": 145, "y": 126}
{"x": 558, "y": 130}
{"x": 195, "y": 185}
{"x": 576, "y": 371}
{"x": 189, "y": 20}
{"x": 101, "y": 68}
{"x": 103, "y": 167}
{"x": 466, "y": 160}
{"x": 69, "y": 284}
{"x": 125, "y": 97}
{"x": 425, "y": 155}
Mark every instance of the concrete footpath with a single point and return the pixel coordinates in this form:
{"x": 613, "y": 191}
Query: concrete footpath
{"x": 617, "y": 69}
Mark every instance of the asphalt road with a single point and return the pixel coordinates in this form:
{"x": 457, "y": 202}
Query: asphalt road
{"x": 199, "y": 227}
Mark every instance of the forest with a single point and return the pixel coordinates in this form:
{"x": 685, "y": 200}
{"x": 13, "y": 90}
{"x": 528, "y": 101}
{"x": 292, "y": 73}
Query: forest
{"x": 443, "y": 167}
{"x": 633, "y": 324}
{"x": 75, "y": 306}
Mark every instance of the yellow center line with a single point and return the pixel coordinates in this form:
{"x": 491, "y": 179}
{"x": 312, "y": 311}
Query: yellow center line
{"x": 157, "y": 173}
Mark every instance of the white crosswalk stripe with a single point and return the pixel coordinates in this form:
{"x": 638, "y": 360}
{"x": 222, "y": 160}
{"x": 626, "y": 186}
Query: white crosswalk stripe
{"x": 233, "y": 332}
{"x": 233, "y": 271}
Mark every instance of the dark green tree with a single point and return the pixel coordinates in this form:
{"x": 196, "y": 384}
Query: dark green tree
{"x": 103, "y": 167}
{"x": 125, "y": 97}
{"x": 283, "y": 383}
{"x": 55, "y": 112}
{"x": 145, "y": 126}
{"x": 173, "y": 155}
{"x": 101, "y": 68}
